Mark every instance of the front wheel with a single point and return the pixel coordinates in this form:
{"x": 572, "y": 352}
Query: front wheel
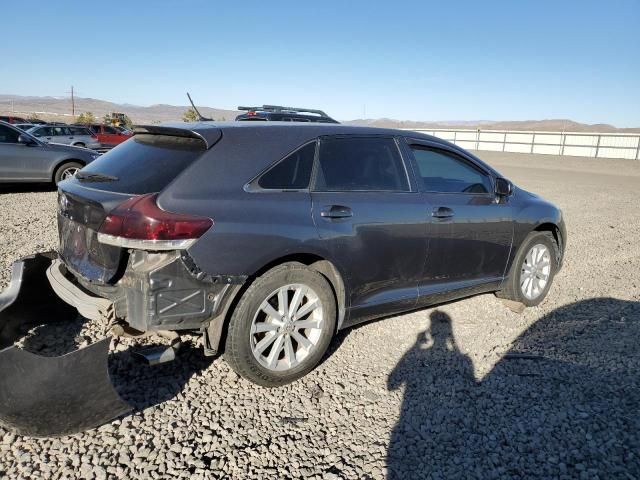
{"x": 282, "y": 326}
{"x": 533, "y": 270}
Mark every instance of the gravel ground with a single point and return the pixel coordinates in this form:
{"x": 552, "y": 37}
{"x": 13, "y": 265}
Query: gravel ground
{"x": 465, "y": 390}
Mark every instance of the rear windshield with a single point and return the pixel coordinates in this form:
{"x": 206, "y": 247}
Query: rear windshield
{"x": 143, "y": 164}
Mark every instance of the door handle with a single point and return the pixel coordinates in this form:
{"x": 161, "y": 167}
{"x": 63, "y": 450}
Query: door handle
{"x": 442, "y": 212}
{"x": 336, "y": 211}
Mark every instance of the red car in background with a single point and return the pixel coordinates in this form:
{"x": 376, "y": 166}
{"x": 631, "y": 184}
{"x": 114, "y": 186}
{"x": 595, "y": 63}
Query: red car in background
{"x": 108, "y": 136}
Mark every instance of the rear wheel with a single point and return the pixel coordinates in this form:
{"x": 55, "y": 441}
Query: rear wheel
{"x": 282, "y": 326}
{"x": 66, "y": 170}
{"x": 533, "y": 270}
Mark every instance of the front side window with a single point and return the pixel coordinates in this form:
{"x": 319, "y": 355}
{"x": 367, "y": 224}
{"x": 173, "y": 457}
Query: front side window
{"x": 292, "y": 173}
{"x": 360, "y": 164}
{"x": 40, "y": 132}
{"x": 59, "y": 131}
{"x": 110, "y": 130}
{"x": 444, "y": 172}
{"x": 8, "y": 135}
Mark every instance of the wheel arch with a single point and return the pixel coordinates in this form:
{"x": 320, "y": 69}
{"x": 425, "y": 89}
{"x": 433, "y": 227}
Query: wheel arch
{"x": 60, "y": 163}
{"x": 556, "y": 231}
{"x": 217, "y": 330}
{"x": 321, "y": 265}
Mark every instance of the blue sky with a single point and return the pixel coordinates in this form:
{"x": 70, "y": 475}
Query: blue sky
{"x": 454, "y": 60}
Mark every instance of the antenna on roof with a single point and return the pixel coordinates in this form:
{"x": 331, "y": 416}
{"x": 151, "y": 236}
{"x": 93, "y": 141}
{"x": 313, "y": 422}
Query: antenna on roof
{"x": 200, "y": 117}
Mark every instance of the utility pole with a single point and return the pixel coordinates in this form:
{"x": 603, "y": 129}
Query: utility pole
{"x": 73, "y": 105}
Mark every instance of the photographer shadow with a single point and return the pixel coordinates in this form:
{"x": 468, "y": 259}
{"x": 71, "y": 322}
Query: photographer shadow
{"x": 563, "y": 401}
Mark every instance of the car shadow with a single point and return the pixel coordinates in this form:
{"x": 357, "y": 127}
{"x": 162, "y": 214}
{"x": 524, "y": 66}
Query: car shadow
{"x": 26, "y": 187}
{"x": 143, "y": 386}
{"x": 563, "y": 402}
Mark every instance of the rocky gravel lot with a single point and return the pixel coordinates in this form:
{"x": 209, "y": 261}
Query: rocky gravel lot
{"x": 465, "y": 390}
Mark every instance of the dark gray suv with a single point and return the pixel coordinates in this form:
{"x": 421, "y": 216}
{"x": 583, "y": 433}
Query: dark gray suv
{"x": 269, "y": 237}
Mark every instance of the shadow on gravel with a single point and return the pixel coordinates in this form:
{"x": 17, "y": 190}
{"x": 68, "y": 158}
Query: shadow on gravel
{"x": 143, "y": 386}
{"x": 563, "y": 403}
{"x": 26, "y": 187}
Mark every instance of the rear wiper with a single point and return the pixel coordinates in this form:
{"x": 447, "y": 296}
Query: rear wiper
{"x": 96, "y": 177}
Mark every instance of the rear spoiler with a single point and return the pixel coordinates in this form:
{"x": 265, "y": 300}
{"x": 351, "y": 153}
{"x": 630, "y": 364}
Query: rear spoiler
{"x": 207, "y": 133}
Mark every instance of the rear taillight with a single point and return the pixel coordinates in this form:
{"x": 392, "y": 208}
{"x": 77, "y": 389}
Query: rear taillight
{"x": 140, "y": 223}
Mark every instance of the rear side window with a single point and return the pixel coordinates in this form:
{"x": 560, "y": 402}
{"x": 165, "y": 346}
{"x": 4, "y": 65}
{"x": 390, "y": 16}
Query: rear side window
{"x": 292, "y": 173}
{"x": 445, "y": 172}
{"x": 79, "y": 131}
{"x": 144, "y": 164}
{"x": 360, "y": 163}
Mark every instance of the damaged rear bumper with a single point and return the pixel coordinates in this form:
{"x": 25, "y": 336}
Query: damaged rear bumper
{"x": 161, "y": 291}
{"x": 49, "y": 396}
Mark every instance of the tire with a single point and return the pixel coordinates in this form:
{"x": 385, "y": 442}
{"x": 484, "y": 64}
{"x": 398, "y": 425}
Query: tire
{"x": 291, "y": 351}
{"x": 531, "y": 291}
{"x": 64, "y": 169}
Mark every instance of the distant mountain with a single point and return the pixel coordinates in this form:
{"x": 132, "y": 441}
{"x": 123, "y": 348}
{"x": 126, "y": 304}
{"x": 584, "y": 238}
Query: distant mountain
{"x": 53, "y": 108}
{"x": 57, "y": 108}
{"x": 554, "y": 125}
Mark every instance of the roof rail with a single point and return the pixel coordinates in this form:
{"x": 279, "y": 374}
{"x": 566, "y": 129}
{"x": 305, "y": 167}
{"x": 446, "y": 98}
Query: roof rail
{"x": 280, "y": 109}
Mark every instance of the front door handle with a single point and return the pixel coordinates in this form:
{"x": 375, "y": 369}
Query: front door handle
{"x": 442, "y": 212}
{"x": 336, "y": 211}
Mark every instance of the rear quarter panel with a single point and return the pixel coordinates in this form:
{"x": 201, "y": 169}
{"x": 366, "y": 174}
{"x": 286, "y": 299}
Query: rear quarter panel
{"x": 251, "y": 229}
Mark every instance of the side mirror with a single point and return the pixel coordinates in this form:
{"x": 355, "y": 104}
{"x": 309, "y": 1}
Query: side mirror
{"x": 504, "y": 187}
{"x": 26, "y": 140}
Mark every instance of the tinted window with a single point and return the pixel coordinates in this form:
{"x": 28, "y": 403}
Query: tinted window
{"x": 110, "y": 130}
{"x": 59, "y": 131}
{"x": 446, "y": 173}
{"x": 79, "y": 131}
{"x": 8, "y": 135}
{"x": 40, "y": 131}
{"x": 145, "y": 164}
{"x": 360, "y": 164}
{"x": 292, "y": 173}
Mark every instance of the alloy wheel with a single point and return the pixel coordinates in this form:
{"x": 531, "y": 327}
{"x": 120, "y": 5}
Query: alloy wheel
{"x": 535, "y": 272}
{"x": 287, "y": 327}
{"x": 69, "y": 172}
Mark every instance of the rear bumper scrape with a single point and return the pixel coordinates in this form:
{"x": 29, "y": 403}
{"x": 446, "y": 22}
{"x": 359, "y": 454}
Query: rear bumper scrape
{"x": 89, "y": 306}
{"x": 49, "y": 396}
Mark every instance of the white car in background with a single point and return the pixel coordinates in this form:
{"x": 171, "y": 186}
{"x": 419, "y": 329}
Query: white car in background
{"x": 77, "y": 136}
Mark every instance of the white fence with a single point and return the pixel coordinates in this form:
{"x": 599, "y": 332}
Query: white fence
{"x": 598, "y": 145}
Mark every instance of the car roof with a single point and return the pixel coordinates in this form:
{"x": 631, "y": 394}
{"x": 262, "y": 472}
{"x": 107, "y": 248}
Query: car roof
{"x": 205, "y": 128}
{"x": 211, "y": 132}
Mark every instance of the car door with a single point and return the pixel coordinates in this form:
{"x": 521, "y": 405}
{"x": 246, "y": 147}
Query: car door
{"x": 470, "y": 230}
{"x": 112, "y": 137}
{"x": 60, "y": 134}
{"x": 11, "y": 160}
{"x": 22, "y": 162}
{"x": 43, "y": 133}
{"x": 371, "y": 220}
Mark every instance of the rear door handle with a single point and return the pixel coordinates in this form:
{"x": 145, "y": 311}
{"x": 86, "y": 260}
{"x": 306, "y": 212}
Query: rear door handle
{"x": 336, "y": 211}
{"x": 442, "y": 212}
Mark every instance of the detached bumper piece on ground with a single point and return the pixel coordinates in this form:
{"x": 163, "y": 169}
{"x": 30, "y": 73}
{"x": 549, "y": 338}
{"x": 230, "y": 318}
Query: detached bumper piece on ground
{"x": 49, "y": 396}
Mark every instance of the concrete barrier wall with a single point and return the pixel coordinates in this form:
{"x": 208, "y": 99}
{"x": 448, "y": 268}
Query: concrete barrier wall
{"x": 598, "y": 145}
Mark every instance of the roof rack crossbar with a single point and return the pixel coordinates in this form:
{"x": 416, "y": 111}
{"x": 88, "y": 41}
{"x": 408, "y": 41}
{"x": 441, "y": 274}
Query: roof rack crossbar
{"x": 278, "y": 108}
